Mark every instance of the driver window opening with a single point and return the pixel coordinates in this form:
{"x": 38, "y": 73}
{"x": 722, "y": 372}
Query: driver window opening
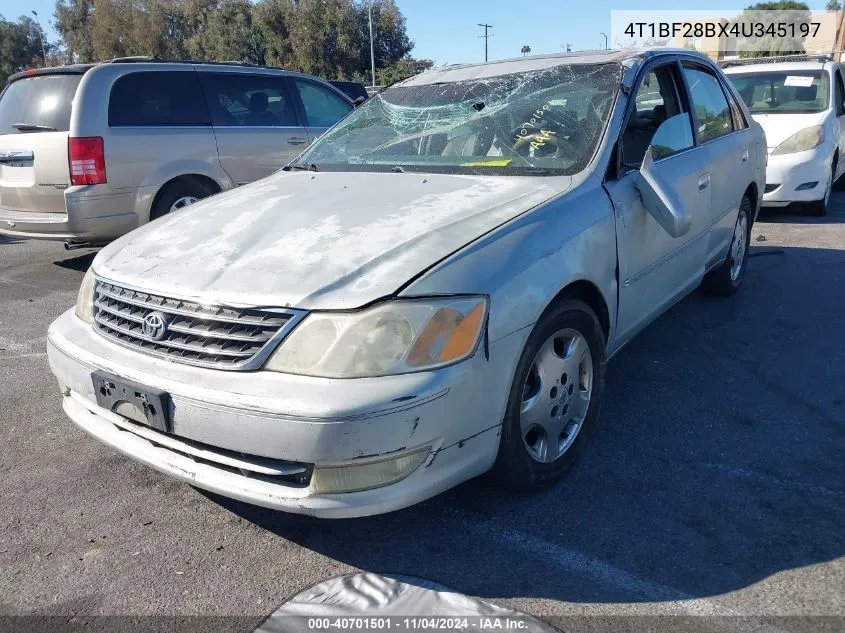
{"x": 656, "y": 102}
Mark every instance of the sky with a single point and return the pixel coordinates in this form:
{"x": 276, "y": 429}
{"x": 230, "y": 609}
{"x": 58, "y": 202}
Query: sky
{"x": 447, "y": 31}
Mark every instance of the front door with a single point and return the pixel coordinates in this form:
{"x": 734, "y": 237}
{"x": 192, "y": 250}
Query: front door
{"x": 655, "y": 269}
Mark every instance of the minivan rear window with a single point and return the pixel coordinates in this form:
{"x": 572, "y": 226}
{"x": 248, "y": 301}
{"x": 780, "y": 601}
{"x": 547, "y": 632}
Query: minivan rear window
{"x": 38, "y": 104}
{"x": 158, "y": 98}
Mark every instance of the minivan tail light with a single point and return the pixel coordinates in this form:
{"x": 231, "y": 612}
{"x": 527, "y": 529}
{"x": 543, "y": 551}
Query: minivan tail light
{"x": 87, "y": 160}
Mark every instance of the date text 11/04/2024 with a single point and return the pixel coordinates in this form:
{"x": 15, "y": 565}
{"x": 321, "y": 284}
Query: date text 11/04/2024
{"x": 712, "y": 29}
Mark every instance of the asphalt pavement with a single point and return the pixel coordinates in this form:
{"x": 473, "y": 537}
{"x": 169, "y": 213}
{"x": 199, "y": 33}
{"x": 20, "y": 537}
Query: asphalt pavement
{"x": 713, "y": 485}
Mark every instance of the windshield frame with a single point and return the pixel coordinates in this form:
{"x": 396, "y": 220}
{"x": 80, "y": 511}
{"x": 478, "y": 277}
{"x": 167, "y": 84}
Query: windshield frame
{"x": 514, "y": 164}
{"x": 816, "y": 73}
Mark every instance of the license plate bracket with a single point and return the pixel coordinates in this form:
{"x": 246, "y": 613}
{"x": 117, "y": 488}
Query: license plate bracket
{"x": 146, "y": 405}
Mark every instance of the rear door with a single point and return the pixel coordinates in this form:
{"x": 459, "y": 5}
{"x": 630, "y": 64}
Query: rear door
{"x": 256, "y": 123}
{"x": 34, "y": 123}
{"x": 732, "y": 147}
{"x": 321, "y": 106}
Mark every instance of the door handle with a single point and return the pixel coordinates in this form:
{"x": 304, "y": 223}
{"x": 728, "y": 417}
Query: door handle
{"x": 296, "y": 140}
{"x": 744, "y": 155}
{"x": 703, "y": 182}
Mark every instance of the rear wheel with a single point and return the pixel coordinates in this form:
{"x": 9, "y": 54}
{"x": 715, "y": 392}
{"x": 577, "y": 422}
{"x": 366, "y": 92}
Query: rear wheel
{"x": 177, "y": 195}
{"x": 555, "y": 397}
{"x": 725, "y": 279}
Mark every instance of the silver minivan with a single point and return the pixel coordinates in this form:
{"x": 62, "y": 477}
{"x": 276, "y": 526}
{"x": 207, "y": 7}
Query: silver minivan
{"x": 90, "y": 152}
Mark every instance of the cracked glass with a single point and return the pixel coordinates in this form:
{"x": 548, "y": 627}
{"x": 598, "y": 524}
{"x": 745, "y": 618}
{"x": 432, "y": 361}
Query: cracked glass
{"x": 541, "y": 122}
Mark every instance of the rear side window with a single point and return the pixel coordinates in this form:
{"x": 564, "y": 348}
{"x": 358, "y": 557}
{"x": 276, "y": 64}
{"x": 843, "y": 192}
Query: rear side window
{"x": 158, "y": 98}
{"x": 38, "y": 104}
{"x": 236, "y": 99}
{"x": 323, "y": 108}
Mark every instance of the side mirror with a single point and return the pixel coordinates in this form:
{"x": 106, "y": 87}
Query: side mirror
{"x": 359, "y": 101}
{"x": 660, "y": 200}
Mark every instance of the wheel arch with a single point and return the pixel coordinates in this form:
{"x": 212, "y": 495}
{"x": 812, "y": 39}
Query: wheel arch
{"x": 589, "y": 293}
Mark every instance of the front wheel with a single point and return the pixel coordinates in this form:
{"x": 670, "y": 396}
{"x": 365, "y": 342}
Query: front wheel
{"x": 818, "y": 208}
{"x": 725, "y": 279}
{"x": 555, "y": 397}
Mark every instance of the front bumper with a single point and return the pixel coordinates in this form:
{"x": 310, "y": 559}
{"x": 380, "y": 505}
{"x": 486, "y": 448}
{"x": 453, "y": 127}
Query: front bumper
{"x": 89, "y": 218}
{"x": 321, "y": 422}
{"x": 789, "y": 171}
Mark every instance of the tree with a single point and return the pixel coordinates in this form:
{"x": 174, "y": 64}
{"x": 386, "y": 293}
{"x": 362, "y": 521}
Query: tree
{"x": 20, "y": 46}
{"x": 525, "y": 50}
{"x": 833, "y": 5}
{"x": 402, "y": 69}
{"x": 771, "y": 13}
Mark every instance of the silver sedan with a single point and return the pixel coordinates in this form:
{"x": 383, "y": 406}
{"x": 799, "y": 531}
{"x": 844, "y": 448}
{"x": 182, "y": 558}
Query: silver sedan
{"x": 430, "y": 291}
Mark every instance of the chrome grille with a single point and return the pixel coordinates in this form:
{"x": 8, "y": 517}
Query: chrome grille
{"x": 212, "y": 336}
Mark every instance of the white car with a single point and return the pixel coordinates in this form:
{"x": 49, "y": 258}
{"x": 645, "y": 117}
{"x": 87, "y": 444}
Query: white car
{"x": 430, "y": 291}
{"x": 801, "y": 107}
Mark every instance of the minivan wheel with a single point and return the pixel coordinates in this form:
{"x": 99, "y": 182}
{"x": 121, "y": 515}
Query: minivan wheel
{"x": 725, "y": 280}
{"x": 555, "y": 397}
{"x": 178, "y": 195}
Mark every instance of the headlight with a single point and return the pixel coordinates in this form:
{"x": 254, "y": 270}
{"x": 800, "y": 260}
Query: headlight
{"x": 85, "y": 298}
{"x": 392, "y": 338}
{"x": 807, "y": 138}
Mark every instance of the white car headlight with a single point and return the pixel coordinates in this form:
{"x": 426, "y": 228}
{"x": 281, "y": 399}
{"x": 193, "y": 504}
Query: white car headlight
{"x": 85, "y": 298}
{"x": 808, "y": 138}
{"x": 396, "y": 337}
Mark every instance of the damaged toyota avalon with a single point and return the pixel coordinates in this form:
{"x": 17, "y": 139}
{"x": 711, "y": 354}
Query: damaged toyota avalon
{"x": 431, "y": 291}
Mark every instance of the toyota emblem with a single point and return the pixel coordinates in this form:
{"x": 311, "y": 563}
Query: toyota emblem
{"x": 155, "y": 326}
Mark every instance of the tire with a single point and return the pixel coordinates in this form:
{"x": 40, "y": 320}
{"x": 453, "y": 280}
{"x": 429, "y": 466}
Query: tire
{"x": 726, "y": 279}
{"x": 818, "y": 208}
{"x": 172, "y": 194}
{"x": 522, "y": 463}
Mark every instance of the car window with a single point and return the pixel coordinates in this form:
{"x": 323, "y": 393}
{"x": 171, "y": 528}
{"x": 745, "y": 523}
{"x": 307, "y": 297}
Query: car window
{"x": 38, "y": 104}
{"x": 709, "y": 104}
{"x": 157, "y": 98}
{"x": 323, "y": 108}
{"x": 783, "y": 92}
{"x": 840, "y": 93}
{"x": 240, "y": 100}
{"x": 656, "y": 101}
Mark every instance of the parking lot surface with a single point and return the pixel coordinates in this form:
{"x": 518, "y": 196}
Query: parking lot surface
{"x": 713, "y": 485}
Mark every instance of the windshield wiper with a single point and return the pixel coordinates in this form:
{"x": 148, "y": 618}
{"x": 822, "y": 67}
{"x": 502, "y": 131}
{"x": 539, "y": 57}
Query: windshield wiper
{"x": 301, "y": 167}
{"x": 31, "y": 127}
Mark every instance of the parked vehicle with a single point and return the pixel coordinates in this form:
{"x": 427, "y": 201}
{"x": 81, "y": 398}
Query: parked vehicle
{"x": 303, "y": 345}
{"x": 90, "y": 152}
{"x": 801, "y": 107}
{"x": 352, "y": 89}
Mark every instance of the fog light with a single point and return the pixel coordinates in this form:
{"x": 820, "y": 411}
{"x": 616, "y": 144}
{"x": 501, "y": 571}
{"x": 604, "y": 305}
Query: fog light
{"x": 63, "y": 388}
{"x": 806, "y": 185}
{"x": 356, "y": 477}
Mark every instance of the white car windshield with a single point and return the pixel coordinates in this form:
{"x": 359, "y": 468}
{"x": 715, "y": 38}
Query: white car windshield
{"x": 784, "y": 92}
{"x": 546, "y": 121}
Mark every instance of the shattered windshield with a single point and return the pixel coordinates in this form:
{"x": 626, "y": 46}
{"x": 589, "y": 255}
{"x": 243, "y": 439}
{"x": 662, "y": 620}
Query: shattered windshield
{"x": 546, "y": 121}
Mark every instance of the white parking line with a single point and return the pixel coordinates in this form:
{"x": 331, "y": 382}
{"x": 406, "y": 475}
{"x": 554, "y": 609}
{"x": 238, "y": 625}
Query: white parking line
{"x": 783, "y": 484}
{"x": 33, "y": 355}
{"x": 603, "y": 573}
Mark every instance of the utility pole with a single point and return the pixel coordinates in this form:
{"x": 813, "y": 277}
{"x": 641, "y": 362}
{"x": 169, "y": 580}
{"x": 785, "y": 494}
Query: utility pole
{"x": 486, "y": 37}
{"x": 372, "y": 45}
{"x": 41, "y": 37}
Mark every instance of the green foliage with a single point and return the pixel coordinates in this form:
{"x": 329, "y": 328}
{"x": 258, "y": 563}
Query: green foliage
{"x": 329, "y": 38}
{"x": 20, "y": 46}
{"x": 773, "y": 13}
{"x": 402, "y": 69}
{"x": 832, "y": 5}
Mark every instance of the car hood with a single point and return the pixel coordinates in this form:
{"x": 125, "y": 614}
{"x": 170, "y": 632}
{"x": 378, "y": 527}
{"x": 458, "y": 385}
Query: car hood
{"x": 317, "y": 240}
{"x": 779, "y": 127}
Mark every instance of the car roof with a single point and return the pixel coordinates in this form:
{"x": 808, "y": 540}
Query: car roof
{"x": 464, "y": 72}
